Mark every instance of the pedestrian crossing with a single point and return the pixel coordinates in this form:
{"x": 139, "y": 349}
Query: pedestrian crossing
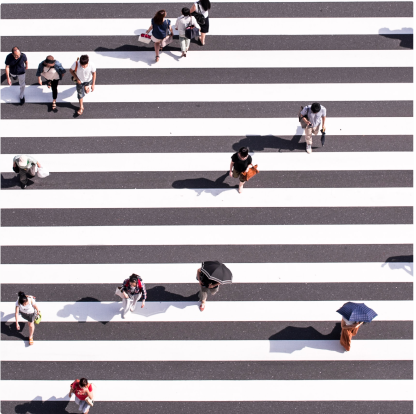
{"x": 139, "y": 183}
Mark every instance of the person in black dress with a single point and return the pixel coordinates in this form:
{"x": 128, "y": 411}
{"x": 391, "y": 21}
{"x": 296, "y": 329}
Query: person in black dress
{"x": 241, "y": 162}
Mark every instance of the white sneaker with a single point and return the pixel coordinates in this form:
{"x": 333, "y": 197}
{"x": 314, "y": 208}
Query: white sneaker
{"x": 132, "y": 308}
{"x": 309, "y": 148}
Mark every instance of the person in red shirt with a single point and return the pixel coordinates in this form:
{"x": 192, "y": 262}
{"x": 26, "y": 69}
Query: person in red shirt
{"x": 82, "y": 390}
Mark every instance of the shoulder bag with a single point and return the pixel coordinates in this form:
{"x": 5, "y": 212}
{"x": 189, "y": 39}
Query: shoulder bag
{"x": 191, "y": 32}
{"x": 301, "y": 117}
{"x": 76, "y": 68}
{"x": 119, "y": 293}
{"x": 199, "y": 17}
{"x": 250, "y": 173}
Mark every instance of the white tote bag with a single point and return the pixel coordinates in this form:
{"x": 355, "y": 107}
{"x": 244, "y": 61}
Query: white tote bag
{"x": 145, "y": 38}
{"x": 42, "y": 172}
{"x": 119, "y": 293}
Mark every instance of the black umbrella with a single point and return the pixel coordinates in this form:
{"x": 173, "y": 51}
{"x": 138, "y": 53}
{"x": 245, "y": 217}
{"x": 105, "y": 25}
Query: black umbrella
{"x": 323, "y": 137}
{"x": 217, "y": 272}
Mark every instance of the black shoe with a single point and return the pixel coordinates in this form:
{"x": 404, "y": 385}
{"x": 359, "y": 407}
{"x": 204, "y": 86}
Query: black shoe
{"x": 23, "y": 186}
{"x": 22, "y": 101}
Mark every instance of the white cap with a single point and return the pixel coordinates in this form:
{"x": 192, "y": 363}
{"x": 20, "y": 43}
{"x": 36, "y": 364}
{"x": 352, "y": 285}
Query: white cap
{"x": 22, "y": 161}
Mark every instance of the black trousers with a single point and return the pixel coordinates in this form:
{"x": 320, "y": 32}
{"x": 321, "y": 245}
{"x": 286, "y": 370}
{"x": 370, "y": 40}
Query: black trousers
{"x": 54, "y": 86}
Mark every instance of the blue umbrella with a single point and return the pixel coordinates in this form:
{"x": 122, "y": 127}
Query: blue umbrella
{"x": 357, "y": 312}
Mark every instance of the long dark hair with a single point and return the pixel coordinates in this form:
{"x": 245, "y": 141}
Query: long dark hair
{"x": 83, "y": 382}
{"x": 205, "y": 4}
{"x": 159, "y": 16}
{"x": 22, "y": 298}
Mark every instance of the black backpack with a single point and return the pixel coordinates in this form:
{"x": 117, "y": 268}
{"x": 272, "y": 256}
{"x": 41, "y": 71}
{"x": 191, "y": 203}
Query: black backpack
{"x": 199, "y": 17}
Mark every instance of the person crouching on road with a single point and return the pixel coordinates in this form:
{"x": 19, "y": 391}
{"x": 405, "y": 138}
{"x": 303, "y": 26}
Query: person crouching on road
{"x": 133, "y": 289}
{"x": 25, "y": 166}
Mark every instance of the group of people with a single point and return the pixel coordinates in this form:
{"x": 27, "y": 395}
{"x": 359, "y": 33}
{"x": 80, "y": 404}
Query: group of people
{"x": 161, "y": 26}
{"x": 84, "y": 75}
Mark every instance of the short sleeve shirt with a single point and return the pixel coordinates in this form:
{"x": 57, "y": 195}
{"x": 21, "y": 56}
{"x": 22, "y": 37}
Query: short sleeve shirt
{"x": 28, "y": 308}
{"x": 203, "y": 11}
{"x": 17, "y": 66}
{"x": 30, "y": 161}
{"x": 84, "y": 74}
{"x": 78, "y": 390}
{"x": 314, "y": 119}
{"x": 239, "y": 164}
{"x": 159, "y": 31}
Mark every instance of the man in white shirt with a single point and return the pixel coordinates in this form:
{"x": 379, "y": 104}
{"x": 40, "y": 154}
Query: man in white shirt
{"x": 84, "y": 72}
{"x": 313, "y": 115}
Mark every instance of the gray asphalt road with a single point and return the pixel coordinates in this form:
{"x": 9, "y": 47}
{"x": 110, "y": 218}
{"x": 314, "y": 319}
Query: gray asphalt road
{"x": 395, "y": 256}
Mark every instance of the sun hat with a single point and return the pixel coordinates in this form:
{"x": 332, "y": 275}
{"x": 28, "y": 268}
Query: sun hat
{"x": 22, "y": 161}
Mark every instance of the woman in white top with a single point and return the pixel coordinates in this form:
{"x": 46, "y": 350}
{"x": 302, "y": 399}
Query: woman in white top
{"x": 181, "y": 24}
{"x": 202, "y": 6}
{"x": 52, "y": 71}
{"x": 28, "y": 309}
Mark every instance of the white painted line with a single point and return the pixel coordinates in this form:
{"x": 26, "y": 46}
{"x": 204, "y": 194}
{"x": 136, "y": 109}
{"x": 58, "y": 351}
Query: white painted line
{"x": 158, "y": 1}
{"x": 133, "y": 127}
{"x": 217, "y": 161}
{"x": 391, "y": 272}
{"x": 236, "y": 311}
{"x": 202, "y": 198}
{"x": 285, "y": 350}
{"x": 212, "y": 235}
{"x": 220, "y": 93}
{"x": 234, "y": 59}
{"x": 306, "y": 26}
{"x": 244, "y": 390}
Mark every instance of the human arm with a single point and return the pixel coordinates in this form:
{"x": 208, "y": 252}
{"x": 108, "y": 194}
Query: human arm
{"x": 198, "y": 273}
{"x": 16, "y": 314}
{"x": 88, "y": 392}
{"x": 195, "y": 23}
{"x": 74, "y": 73}
{"x": 149, "y": 29}
{"x": 94, "y": 77}
{"x": 26, "y": 65}
{"x": 9, "y": 81}
{"x": 40, "y": 80}
{"x": 193, "y": 8}
{"x": 213, "y": 285}
{"x": 231, "y": 168}
{"x": 323, "y": 122}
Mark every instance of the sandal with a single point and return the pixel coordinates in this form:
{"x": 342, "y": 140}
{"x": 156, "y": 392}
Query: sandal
{"x": 202, "y": 307}
{"x": 53, "y": 105}
{"x": 157, "y": 58}
{"x": 80, "y": 111}
{"x": 30, "y": 341}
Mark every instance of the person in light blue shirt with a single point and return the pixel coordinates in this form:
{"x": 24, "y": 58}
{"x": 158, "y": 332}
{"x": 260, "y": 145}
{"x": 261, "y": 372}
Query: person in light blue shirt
{"x": 313, "y": 115}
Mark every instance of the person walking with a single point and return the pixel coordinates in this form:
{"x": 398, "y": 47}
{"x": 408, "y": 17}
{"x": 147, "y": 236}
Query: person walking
{"x": 159, "y": 27}
{"x": 241, "y": 162}
{"x": 16, "y": 66}
{"x": 83, "y": 391}
{"x": 206, "y": 286}
{"x": 52, "y": 71}
{"x": 85, "y": 74}
{"x": 25, "y": 165}
{"x": 312, "y": 115}
{"x": 182, "y": 23}
{"x": 202, "y": 7}
{"x": 348, "y": 330}
{"x": 133, "y": 289}
{"x": 26, "y": 306}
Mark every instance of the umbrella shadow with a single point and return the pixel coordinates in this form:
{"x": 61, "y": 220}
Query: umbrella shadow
{"x": 406, "y": 38}
{"x": 204, "y": 185}
{"x": 159, "y": 293}
{"x": 81, "y": 314}
{"x": 53, "y": 405}
{"x": 298, "y": 337}
{"x": 400, "y": 263}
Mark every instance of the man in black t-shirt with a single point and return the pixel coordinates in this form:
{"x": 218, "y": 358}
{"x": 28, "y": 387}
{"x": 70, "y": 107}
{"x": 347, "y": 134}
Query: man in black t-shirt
{"x": 16, "y": 65}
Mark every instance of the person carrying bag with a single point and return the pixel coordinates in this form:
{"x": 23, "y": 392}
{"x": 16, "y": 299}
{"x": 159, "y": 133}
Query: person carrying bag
{"x": 84, "y": 395}
{"x": 184, "y": 23}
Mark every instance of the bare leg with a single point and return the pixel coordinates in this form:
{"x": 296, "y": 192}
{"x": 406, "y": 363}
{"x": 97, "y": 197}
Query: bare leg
{"x": 157, "y": 47}
{"x": 81, "y": 106}
{"x": 240, "y": 187}
{"x": 31, "y": 329}
{"x": 203, "y": 38}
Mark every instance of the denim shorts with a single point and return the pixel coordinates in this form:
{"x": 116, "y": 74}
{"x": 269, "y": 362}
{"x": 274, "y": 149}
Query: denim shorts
{"x": 81, "y": 88}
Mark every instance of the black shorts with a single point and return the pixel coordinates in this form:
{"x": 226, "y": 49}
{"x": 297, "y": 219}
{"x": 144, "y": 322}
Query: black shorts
{"x": 205, "y": 27}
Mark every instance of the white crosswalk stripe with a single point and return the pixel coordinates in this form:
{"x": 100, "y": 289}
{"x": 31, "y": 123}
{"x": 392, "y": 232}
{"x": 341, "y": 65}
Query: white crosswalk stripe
{"x": 307, "y": 234}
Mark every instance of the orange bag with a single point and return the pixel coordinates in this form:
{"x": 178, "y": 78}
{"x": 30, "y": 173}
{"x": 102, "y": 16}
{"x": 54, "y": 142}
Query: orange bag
{"x": 250, "y": 173}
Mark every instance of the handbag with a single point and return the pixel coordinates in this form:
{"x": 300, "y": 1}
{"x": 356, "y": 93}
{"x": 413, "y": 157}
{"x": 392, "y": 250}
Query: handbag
{"x": 145, "y": 38}
{"x": 76, "y": 68}
{"x": 199, "y": 17}
{"x": 301, "y": 117}
{"x": 191, "y": 32}
{"x": 38, "y": 318}
{"x": 167, "y": 40}
{"x": 89, "y": 401}
{"x": 119, "y": 293}
{"x": 250, "y": 173}
{"x": 42, "y": 172}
